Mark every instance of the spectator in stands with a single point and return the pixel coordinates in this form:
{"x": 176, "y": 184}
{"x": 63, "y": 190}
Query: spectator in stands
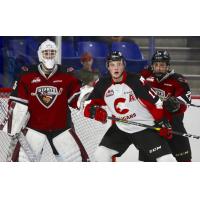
{"x": 87, "y": 74}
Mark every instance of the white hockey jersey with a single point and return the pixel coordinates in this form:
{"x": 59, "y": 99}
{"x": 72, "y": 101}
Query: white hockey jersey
{"x": 131, "y": 99}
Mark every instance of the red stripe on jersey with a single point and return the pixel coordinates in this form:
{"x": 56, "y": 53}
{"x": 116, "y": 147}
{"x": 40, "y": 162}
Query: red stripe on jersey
{"x": 157, "y": 113}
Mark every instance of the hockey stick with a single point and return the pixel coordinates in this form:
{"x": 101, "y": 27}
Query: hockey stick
{"x": 13, "y": 141}
{"x": 194, "y": 105}
{"x": 27, "y": 148}
{"x": 152, "y": 127}
{"x": 19, "y": 137}
{"x": 22, "y": 140}
{"x": 11, "y": 149}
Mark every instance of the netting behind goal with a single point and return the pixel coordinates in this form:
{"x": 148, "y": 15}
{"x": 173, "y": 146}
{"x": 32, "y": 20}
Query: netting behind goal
{"x": 89, "y": 132}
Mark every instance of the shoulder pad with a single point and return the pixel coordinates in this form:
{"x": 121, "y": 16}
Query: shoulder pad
{"x": 24, "y": 68}
{"x": 63, "y": 69}
{"x": 27, "y": 69}
{"x": 180, "y": 78}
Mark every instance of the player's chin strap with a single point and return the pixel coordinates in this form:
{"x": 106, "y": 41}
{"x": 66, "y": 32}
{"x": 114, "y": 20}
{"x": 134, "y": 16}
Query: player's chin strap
{"x": 151, "y": 127}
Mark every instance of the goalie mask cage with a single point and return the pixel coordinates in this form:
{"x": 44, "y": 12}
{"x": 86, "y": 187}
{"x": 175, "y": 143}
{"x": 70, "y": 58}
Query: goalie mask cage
{"x": 90, "y": 133}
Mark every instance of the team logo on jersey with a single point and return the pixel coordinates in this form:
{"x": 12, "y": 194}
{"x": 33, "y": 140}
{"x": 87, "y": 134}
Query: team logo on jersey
{"x": 47, "y": 95}
{"x": 129, "y": 116}
{"x": 128, "y": 92}
{"x": 57, "y": 81}
{"x": 24, "y": 68}
{"x": 166, "y": 84}
{"x": 119, "y": 105}
{"x": 160, "y": 93}
{"x": 109, "y": 93}
{"x": 154, "y": 149}
{"x": 150, "y": 79}
{"x": 36, "y": 80}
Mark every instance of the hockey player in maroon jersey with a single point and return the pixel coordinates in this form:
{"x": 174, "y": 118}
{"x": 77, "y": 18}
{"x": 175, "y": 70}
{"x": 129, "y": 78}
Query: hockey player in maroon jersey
{"x": 128, "y": 97}
{"x": 45, "y": 92}
{"x": 175, "y": 93}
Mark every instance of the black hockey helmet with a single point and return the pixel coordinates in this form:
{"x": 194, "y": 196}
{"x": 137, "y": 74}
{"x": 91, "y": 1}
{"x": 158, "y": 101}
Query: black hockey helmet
{"x": 115, "y": 56}
{"x": 161, "y": 56}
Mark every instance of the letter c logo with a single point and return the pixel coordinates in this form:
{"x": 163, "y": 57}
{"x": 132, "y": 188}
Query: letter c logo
{"x": 118, "y": 110}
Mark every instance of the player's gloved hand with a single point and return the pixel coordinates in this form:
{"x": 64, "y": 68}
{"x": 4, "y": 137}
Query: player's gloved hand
{"x": 96, "y": 112}
{"x": 171, "y": 104}
{"x": 166, "y": 129}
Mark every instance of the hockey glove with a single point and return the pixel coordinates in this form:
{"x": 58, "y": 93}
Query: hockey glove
{"x": 165, "y": 129}
{"x": 96, "y": 112}
{"x": 172, "y": 104}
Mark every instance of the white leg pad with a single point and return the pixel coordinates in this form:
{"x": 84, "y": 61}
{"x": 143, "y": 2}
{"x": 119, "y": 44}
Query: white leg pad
{"x": 166, "y": 158}
{"x": 36, "y": 140}
{"x": 104, "y": 154}
{"x": 67, "y": 148}
{"x": 20, "y": 117}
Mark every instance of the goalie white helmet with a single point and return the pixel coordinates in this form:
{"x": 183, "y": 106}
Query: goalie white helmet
{"x": 47, "y": 54}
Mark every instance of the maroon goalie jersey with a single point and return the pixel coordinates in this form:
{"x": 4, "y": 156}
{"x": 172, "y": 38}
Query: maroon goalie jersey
{"x": 172, "y": 84}
{"x": 46, "y": 97}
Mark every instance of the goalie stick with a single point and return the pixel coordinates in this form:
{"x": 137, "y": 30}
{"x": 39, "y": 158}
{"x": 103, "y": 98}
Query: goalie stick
{"x": 18, "y": 137}
{"x": 152, "y": 127}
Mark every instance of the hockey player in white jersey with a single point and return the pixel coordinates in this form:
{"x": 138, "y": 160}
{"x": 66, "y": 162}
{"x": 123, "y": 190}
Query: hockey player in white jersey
{"x": 128, "y": 97}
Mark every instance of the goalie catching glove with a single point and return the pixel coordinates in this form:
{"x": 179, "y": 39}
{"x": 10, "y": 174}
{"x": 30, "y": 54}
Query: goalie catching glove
{"x": 165, "y": 129}
{"x": 95, "y": 112}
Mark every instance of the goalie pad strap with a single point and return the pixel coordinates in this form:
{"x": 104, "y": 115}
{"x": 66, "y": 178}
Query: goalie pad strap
{"x": 15, "y": 155}
{"x": 84, "y": 154}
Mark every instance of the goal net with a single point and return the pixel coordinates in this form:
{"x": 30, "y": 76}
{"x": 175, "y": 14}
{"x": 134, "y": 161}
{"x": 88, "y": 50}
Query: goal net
{"x": 89, "y": 131}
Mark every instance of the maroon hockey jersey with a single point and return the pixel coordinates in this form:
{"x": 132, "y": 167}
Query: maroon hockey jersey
{"x": 47, "y": 97}
{"x": 172, "y": 84}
